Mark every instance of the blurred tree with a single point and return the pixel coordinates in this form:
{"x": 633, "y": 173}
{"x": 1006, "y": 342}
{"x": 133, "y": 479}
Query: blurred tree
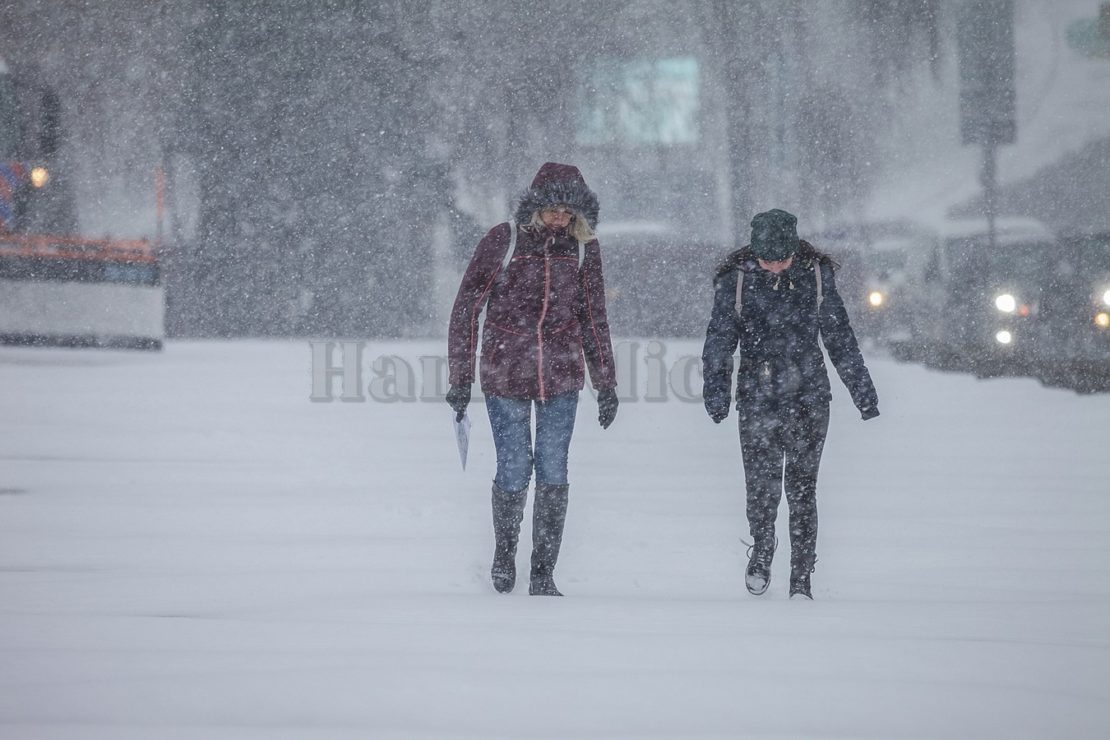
{"x": 327, "y": 140}
{"x": 308, "y": 126}
{"x": 795, "y": 138}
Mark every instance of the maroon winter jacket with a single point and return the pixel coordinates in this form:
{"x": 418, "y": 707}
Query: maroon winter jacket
{"x": 541, "y": 315}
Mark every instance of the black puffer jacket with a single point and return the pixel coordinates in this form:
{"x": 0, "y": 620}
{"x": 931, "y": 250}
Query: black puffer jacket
{"x": 777, "y": 335}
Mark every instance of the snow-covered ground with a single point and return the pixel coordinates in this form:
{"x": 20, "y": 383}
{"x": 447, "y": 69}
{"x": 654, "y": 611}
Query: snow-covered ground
{"x": 191, "y": 548}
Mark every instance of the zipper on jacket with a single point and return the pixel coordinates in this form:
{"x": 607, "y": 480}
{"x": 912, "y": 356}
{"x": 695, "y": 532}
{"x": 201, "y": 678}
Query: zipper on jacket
{"x": 543, "y": 315}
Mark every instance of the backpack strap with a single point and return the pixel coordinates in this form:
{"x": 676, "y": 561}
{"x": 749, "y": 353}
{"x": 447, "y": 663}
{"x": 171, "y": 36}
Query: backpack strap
{"x": 508, "y": 256}
{"x": 820, "y": 289}
{"x": 512, "y": 247}
{"x": 739, "y": 290}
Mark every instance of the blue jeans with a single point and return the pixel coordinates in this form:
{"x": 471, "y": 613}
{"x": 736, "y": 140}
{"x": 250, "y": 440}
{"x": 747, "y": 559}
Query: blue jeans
{"x": 511, "y": 420}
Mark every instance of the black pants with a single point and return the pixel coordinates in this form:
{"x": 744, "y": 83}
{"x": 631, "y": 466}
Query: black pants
{"x": 781, "y": 447}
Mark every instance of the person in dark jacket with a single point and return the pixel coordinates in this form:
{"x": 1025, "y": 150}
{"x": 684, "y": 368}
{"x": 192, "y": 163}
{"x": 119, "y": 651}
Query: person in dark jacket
{"x": 540, "y": 280}
{"x": 773, "y": 299}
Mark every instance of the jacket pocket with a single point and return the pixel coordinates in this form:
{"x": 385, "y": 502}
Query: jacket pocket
{"x": 508, "y": 357}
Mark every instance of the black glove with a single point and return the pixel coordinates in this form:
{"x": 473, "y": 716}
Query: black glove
{"x": 606, "y": 407}
{"x": 869, "y": 412}
{"x": 459, "y": 398}
{"x": 718, "y": 412}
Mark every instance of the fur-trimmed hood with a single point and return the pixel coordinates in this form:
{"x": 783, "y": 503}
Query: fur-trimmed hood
{"x": 558, "y": 184}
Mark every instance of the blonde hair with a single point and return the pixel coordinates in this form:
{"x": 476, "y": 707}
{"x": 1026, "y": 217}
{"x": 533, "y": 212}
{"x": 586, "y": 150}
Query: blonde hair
{"x": 579, "y": 228}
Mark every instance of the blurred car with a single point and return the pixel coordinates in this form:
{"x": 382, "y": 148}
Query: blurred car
{"x": 1073, "y": 348}
{"x": 978, "y": 306}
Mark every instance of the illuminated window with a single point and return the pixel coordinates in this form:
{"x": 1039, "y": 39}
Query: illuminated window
{"x": 639, "y": 101}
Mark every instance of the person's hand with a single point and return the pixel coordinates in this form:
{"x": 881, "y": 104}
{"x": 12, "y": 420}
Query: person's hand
{"x": 718, "y": 412}
{"x": 717, "y": 409}
{"x": 868, "y": 412}
{"x": 607, "y": 407}
{"x": 459, "y": 398}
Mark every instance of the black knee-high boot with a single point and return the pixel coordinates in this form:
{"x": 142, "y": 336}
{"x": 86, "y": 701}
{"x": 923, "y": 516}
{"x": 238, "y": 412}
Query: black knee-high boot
{"x": 549, "y": 516}
{"x": 508, "y": 511}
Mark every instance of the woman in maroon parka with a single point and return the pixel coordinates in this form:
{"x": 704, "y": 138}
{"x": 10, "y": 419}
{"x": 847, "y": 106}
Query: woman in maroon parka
{"x": 545, "y": 308}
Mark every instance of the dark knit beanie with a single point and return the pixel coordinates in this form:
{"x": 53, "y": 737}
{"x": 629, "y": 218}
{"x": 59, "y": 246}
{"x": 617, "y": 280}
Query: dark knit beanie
{"x": 774, "y": 235}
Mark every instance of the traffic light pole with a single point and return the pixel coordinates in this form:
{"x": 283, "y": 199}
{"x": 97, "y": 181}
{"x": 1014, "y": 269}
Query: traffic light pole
{"x": 988, "y": 179}
{"x": 985, "y": 41}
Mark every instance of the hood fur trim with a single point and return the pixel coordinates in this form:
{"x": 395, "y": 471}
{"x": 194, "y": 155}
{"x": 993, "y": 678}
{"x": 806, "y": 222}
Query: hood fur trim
{"x": 571, "y": 193}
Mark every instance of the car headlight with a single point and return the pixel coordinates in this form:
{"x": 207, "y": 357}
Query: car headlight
{"x": 876, "y": 298}
{"x": 39, "y": 177}
{"x": 1005, "y": 303}
{"x": 1102, "y": 320}
{"x": 1004, "y": 337}
{"x": 1106, "y": 297}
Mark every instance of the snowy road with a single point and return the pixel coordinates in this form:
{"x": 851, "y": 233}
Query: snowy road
{"x": 190, "y": 548}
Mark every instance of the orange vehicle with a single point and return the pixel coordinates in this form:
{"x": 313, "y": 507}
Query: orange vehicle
{"x": 56, "y": 288}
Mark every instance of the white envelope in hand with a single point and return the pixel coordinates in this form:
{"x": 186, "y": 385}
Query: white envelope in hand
{"x": 462, "y": 437}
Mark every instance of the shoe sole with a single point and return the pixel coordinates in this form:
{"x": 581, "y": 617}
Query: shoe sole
{"x": 756, "y": 586}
